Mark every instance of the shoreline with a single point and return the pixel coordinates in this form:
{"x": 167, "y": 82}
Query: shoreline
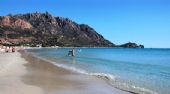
{"x": 62, "y": 81}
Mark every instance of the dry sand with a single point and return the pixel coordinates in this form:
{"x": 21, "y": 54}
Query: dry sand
{"x": 29, "y": 75}
{"x": 11, "y": 71}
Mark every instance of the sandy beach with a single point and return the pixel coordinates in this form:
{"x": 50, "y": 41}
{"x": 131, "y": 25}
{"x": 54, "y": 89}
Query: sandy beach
{"x": 11, "y": 71}
{"x": 22, "y": 73}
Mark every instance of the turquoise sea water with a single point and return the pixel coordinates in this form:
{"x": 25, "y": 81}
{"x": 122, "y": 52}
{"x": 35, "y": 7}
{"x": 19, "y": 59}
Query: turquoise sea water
{"x": 144, "y": 71}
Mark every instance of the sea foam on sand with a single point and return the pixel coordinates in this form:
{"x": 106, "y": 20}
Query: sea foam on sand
{"x": 11, "y": 70}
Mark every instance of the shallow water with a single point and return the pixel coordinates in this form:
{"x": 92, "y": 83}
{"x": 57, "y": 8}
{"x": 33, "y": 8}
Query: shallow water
{"x": 145, "y": 71}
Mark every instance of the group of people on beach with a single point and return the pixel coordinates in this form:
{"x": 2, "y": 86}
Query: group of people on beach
{"x": 8, "y": 49}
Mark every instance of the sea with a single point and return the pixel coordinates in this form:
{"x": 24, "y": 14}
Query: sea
{"x": 142, "y": 71}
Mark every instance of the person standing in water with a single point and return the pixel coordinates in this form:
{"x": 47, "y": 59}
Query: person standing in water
{"x": 71, "y": 52}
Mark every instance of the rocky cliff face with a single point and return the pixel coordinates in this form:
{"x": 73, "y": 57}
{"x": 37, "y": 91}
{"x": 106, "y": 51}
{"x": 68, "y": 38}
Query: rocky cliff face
{"x": 49, "y": 31}
{"x": 14, "y": 22}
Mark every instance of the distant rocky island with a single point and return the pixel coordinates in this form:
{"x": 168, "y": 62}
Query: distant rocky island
{"x": 43, "y": 29}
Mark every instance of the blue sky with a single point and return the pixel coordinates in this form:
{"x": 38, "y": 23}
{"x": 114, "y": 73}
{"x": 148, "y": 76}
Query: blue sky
{"x": 142, "y": 21}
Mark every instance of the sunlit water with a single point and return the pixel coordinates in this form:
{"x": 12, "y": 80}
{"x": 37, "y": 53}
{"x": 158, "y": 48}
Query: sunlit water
{"x": 144, "y": 71}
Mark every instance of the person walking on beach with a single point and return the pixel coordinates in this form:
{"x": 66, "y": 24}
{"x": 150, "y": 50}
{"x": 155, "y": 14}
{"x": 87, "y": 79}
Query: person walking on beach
{"x": 13, "y": 49}
{"x": 6, "y": 49}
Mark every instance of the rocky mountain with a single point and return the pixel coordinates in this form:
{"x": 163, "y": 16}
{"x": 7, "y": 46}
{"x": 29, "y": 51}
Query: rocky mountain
{"x": 47, "y": 30}
{"x": 131, "y": 45}
{"x": 43, "y": 28}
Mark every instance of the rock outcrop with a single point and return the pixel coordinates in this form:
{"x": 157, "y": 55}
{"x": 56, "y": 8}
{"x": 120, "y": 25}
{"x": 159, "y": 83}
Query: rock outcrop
{"x": 131, "y": 45}
{"x": 14, "y": 22}
{"x": 22, "y": 24}
{"x": 5, "y": 21}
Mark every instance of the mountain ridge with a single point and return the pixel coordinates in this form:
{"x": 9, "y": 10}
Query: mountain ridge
{"x": 45, "y": 29}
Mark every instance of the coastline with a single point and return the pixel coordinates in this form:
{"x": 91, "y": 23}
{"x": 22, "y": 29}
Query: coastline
{"x": 56, "y": 80}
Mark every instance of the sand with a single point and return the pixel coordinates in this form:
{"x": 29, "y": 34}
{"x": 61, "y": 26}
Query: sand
{"x": 26, "y": 74}
{"x": 11, "y": 71}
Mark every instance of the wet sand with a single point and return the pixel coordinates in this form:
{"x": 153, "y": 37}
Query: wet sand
{"x": 22, "y": 73}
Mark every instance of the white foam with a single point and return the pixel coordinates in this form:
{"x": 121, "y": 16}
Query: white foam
{"x": 70, "y": 68}
{"x": 132, "y": 88}
{"x": 110, "y": 78}
{"x": 104, "y": 75}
